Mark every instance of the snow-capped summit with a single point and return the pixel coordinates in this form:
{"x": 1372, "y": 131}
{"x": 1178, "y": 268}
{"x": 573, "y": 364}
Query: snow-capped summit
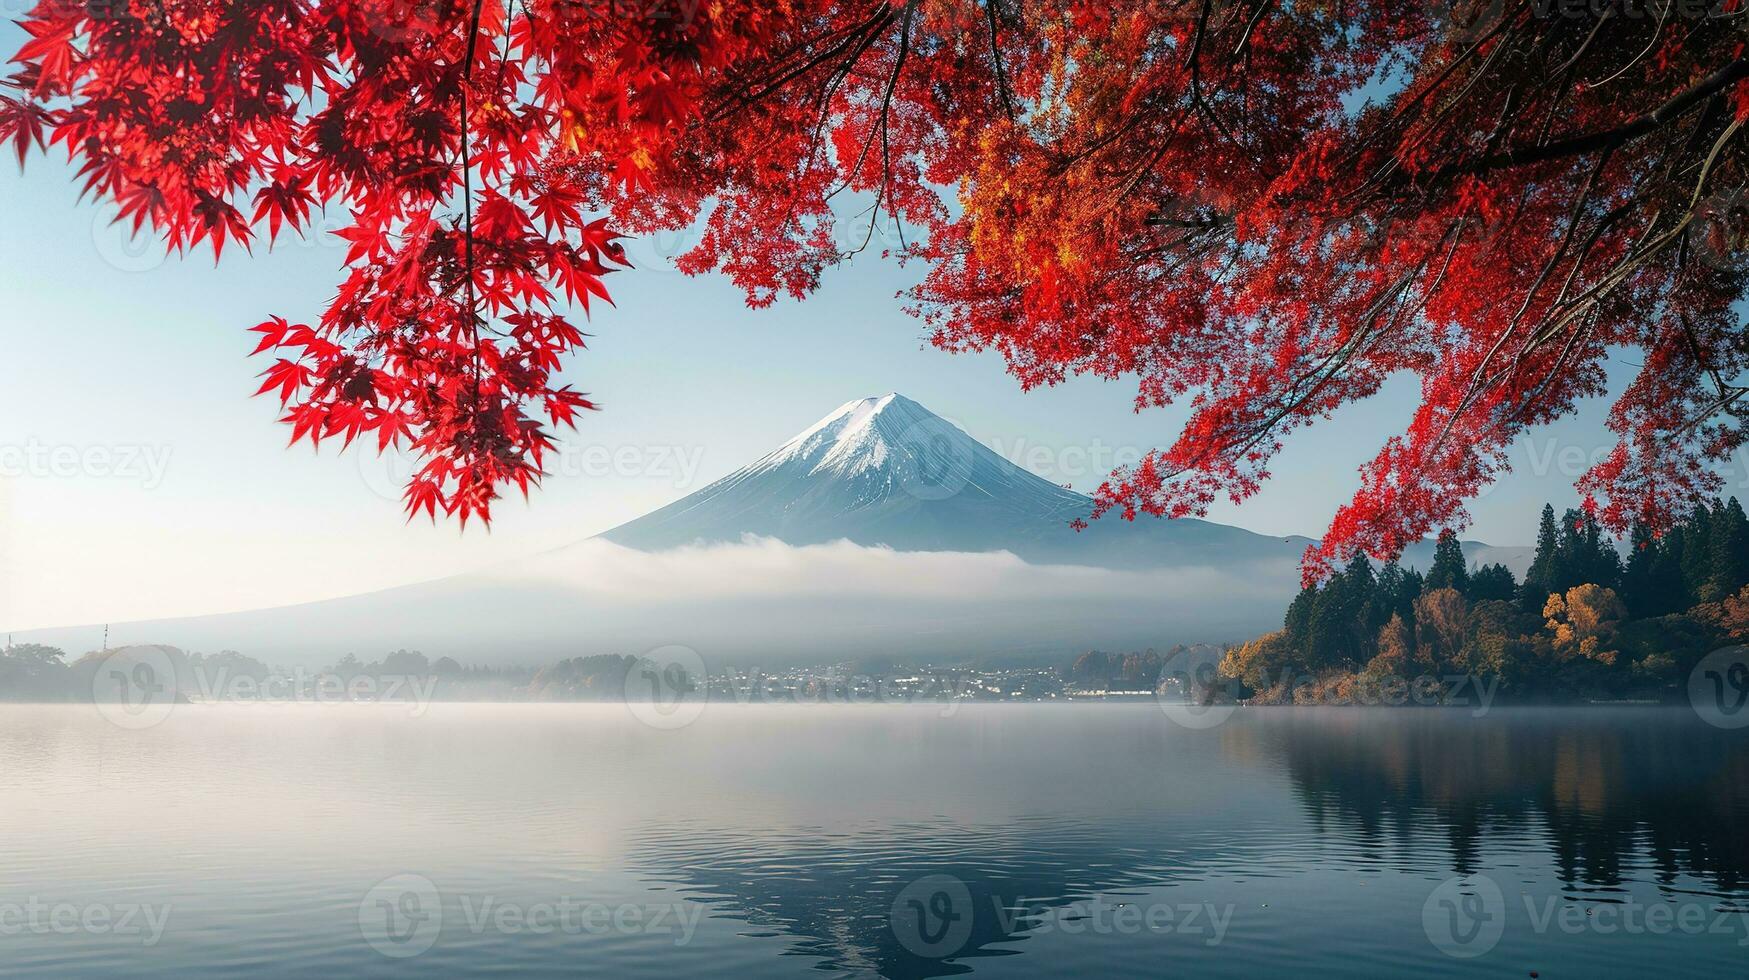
{"x": 885, "y": 470}
{"x": 860, "y": 434}
{"x": 888, "y": 445}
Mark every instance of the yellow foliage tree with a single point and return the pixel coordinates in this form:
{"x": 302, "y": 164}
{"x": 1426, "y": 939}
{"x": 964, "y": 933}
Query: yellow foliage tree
{"x": 1730, "y": 616}
{"x": 1440, "y": 619}
{"x": 1256, "y": 661}
{"x": 1583, "y": 622}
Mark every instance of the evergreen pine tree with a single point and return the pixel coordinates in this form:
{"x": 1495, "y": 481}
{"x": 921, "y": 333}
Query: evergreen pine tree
{"x": 1668, "y": 593}
{"x": 1405, "y": 591}
{"x": 1448, "y": 571}
{"x": 1298, "y": 622}
{"x": 1360, "y": 575}
{"x": 1583, "y": 555}
{"x": 1605, "y": 561}
{"x": 1492, "y": 582}
{"x": 1730, "y": 547}
{"x": 1326, "y": 627}
{"x": 1570, "y": 553}
{"x": 1539, "y": 579}
{"x": 1361, "y": 589}
{"x": 1339, "y": 631}
{"x": 1388, "y": 595}
{"x": 1697, "y": 557}
{"x": 1638, "y": 582}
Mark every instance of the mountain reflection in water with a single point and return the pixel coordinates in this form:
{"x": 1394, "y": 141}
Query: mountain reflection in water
{"x": 1586, "y": 803}
{"x": 1006, "y": 840}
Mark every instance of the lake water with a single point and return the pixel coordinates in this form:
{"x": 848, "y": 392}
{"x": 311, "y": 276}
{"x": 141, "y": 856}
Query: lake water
{"x": 901, "y": 841}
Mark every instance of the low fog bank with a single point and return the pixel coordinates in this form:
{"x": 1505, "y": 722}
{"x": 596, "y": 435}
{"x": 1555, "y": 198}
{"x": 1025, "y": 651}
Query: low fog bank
{"x": 756, "y": 602}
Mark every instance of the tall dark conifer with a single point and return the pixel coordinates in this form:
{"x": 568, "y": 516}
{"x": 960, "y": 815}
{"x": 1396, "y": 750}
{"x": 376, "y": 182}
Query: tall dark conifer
{"x": 1539, "y": 580}
{"x": 1697, "y": 556}
{"x": 1492, "y": 582}
{"x": 1730, "y": 545}
{"x": 1394, "y": 593}
{"x": 1448, "y": 571}
{"x": 1669, "y": 592}
{"x": 1638, "y": 581}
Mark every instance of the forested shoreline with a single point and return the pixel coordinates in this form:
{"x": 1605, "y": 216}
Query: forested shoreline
{"x": 1586, "y": 623}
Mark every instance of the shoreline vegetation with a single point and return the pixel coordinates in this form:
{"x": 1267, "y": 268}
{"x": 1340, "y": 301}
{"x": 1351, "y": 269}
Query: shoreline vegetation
{"x": 1586, "y": 626}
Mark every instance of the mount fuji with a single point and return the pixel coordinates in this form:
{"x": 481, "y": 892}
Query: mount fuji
{"x": 885, "y": 471}
{"x": 882, "y": 529}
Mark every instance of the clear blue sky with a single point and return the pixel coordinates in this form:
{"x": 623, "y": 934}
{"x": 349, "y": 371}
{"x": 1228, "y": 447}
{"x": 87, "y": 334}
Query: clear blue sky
{"x": 173, "y": 493}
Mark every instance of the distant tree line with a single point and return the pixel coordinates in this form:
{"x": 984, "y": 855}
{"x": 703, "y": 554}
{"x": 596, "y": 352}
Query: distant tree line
{"x": 35, "y": 673}
{"x": 32, "y": 672}
{"x": 1097, "y": 670}
{"x": 1584, "y": 623}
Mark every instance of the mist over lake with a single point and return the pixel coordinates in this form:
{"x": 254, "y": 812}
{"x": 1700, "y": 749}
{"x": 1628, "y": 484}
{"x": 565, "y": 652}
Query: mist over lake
{"x": 900, "y": 841}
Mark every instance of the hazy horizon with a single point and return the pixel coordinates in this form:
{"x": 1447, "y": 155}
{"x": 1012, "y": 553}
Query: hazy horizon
{"x": 880, "y": 529}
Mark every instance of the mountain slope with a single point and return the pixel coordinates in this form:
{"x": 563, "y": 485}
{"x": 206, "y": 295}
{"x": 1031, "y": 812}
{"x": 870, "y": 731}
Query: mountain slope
{"x": 885, "y": 471}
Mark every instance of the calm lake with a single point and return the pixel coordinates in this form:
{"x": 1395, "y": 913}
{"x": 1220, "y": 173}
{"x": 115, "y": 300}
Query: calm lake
{"x": 900, "y": 841}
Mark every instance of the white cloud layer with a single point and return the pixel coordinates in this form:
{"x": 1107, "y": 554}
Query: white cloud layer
{"x": 757, "y": 600}
{"x": 759, "y": 567}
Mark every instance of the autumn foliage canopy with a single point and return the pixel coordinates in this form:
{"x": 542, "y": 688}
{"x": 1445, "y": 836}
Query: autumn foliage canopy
{"x": 1263, "y": 209}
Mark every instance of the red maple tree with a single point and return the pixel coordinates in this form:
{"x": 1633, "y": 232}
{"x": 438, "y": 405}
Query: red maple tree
{"x": 1264, "y": 209}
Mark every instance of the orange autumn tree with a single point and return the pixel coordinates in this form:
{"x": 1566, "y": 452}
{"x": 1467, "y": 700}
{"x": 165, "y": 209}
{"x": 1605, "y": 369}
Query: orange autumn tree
{"x": 1258, "y": 208}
